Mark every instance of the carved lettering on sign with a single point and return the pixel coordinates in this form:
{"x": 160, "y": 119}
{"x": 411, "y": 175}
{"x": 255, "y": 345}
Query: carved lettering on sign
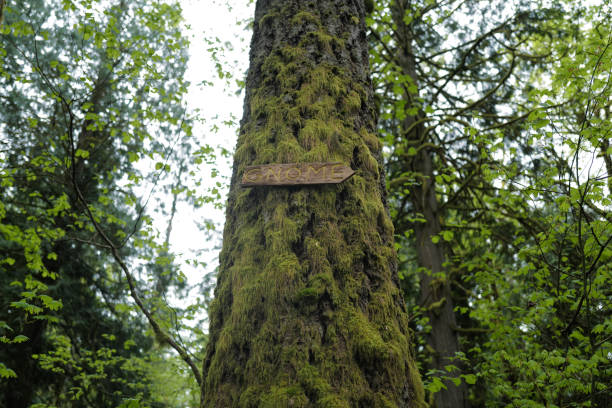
{"x": 295, "y": 174}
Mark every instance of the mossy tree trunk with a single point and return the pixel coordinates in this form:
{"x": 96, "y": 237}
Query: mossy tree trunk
{"x": 307, "y": 311}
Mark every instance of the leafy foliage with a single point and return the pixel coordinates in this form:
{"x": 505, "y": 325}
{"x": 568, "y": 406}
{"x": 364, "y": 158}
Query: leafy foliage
{"x": 511, "y": 111}
{"x": 92, "y": 118}
{"x": 555, "y": 348}
{"x": 496, "y": 122}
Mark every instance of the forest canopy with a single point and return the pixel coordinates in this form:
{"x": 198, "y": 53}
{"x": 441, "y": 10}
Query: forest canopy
{"x": 481, "y": 130}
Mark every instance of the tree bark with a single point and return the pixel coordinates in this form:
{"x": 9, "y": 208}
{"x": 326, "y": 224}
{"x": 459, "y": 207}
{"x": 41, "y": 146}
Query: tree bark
{"x": 307, "y": 309}
{"x": 434, "y": 283}
{"x": 435, "y": 291}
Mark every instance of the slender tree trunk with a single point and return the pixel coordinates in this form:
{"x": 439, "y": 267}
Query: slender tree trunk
{"x": 436, "y": 295}
{"x": 307, "y": 310}
{"x": 434, "y": 283}
{"x": 2, "y": 4}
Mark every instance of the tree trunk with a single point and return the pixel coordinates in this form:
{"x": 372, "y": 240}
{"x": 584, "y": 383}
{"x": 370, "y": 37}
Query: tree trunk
{"x": 434, "y": 283}
{"x": 307, "y": 310}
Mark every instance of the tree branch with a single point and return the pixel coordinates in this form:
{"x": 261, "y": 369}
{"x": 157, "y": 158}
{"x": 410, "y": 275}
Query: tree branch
{"x": 161, "y": 334}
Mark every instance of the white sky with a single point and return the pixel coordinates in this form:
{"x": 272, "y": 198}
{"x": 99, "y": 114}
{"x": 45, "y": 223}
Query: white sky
{"x": 212, "y": 20}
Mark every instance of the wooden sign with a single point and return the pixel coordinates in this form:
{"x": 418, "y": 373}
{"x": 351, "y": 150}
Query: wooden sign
{"x": 295, "y": 174}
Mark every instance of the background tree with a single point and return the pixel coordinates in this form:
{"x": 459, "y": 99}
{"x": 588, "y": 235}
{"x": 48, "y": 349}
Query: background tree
{"x": 443, "y": 73}
{"x": 555, "y": 296}
{"x": 88, "y": 89}
{"x": 456, "y": 82}
{"x": 307, "y": 308}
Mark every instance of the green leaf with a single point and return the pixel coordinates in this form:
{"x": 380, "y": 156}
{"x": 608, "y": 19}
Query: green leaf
{"x": 51, "y": 303}
{"x": 539, "y": 124}
{"x": 82, "y": 153}
{"x": 6, "y": 372}
{"x": 132, "y": 157}
{"x": 130, "y": 403}
{"x": 129, "y": 344}
{"x": 20, "y": 338}
{"x": 469, "y": 378}
{"x": 435, "y": 385}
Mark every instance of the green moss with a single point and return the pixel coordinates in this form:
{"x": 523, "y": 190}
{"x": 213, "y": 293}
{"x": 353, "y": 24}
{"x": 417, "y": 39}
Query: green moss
{"x": 318, "y": 153}
{"x": 306, "y": 16}
{"x": 332, "y": 401}
{"x": 284, "y": 397}
{"x": 368, "y": 345}
{"x": 266, "y": 154}
{"x": 311, "y": 380}
{"x": 289, "y": 151}
{"x": 322, "y": 80}
{"x": 282, "y": 273}
{"x": 382, "y": 401}
{"x": 308, "y": 296}
{"x": 315, "y": 385}
{"x": 385, "y": 222}
{"x": 268, "y": 18}
{"x": 414, "y": 380}
{"x": 314, "y": 132}
{"x": 338, "y": 250}
{"x": 352, "y": 101}
{"x": 249, "y": 397}
{"x": 369, "y": 162}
